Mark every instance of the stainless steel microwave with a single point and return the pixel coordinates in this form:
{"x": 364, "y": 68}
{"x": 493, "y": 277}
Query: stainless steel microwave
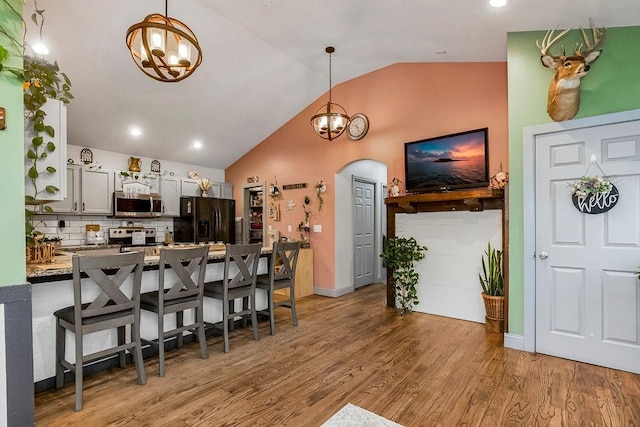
{"x": 127, "y": 205}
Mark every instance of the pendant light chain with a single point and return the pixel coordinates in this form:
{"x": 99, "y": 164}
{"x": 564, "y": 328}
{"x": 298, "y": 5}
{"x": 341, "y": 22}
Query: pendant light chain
{"x": 330, "y": 77}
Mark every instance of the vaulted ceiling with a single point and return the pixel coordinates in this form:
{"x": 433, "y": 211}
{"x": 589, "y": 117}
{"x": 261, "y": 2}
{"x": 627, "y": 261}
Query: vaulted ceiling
{"x": 264, "y": 61}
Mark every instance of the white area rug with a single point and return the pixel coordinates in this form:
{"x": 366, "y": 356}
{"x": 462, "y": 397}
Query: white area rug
{"x": 354, "y": 416}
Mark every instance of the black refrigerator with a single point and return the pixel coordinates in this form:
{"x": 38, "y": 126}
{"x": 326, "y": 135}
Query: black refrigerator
{"x": 205, "y": 220}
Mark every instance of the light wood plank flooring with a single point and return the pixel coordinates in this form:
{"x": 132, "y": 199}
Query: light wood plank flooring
{"x": 417, "y": 370}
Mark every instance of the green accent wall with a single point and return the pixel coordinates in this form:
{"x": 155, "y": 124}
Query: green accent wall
{"x": 612, "y": 85}
{"x": 12, "y": 261}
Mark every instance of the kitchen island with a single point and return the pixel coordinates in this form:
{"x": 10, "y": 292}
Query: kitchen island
{"x": 53, "y": 289}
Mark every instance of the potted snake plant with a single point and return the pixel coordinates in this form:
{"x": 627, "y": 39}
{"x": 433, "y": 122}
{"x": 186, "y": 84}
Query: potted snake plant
{"x": 492, "y": 283}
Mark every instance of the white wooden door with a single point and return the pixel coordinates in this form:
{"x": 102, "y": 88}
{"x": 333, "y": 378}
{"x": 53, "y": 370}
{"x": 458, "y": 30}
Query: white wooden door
{"x": 364, "y": 232}
{"x": 587, "y": 296}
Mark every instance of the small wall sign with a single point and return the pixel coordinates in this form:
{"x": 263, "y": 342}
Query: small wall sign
{"x": 294, "y": 186}
{"x": 596, "y": 203}
{"x": 252, "y": 179}
{"x": 155, "y": 166}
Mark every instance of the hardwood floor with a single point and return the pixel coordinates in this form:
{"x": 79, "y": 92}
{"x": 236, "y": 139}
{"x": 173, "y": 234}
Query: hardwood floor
{"x": 417, "y": 370}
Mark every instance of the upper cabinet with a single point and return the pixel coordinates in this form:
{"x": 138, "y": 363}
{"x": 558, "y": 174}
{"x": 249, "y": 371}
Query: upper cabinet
{"x": 90, "y": 192}
{"x": 226, "y": 191}
{"x": 170, "y": 192}
{"x": 97, "y": 192}
{"x": 71, "y": 203}
{"x": 56, "y": 117}
{"x": 189, "y": 187}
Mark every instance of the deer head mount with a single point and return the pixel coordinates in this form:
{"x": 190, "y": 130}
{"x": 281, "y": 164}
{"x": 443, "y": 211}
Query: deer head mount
{"x": 564, "y": 91}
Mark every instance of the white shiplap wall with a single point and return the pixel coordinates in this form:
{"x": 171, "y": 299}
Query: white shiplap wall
{"x": 448, "y": 283}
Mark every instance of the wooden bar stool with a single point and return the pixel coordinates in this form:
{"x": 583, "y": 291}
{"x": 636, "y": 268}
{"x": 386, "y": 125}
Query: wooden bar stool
{"x": 111, "y": 309}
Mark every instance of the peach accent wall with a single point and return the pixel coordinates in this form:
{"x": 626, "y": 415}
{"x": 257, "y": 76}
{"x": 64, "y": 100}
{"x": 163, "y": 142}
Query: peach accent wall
{"x": 404, "y": 102}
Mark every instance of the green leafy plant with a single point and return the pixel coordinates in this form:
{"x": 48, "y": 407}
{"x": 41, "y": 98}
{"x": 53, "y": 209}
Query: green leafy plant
{"x": 42, "y": 81}
{"x": 491, "y": 278}
{"x": 400, "y": 255}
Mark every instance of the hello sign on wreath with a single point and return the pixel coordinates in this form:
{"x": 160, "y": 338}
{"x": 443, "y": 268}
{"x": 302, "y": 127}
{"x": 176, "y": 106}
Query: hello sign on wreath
{"x": 594, "y": 194}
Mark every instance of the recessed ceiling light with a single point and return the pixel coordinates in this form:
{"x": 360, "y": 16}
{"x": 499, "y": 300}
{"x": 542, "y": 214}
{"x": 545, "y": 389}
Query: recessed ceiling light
{"x": 40, "y": 49}
{"x": 498, "y": 3}
{"x": 135, "y": 131}
{"x": 197, "y": 144}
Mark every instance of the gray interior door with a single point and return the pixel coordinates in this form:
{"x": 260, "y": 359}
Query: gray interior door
{"x": 364, "y": 231}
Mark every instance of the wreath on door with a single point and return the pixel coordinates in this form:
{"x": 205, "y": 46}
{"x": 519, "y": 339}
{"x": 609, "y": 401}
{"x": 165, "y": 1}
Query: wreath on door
{"x": 594, "y": 194}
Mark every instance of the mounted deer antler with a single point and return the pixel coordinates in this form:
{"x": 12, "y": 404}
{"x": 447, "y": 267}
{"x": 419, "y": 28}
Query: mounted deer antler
{"x": 564, "y": 91}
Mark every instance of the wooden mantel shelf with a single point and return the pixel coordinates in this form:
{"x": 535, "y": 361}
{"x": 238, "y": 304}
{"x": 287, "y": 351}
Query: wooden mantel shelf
{"x": 473, "y": 200}
{"x": 464, "y": 200}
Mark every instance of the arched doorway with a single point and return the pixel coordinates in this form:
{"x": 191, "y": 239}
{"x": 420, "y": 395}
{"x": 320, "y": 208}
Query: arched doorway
{"x": 372, "y": 171}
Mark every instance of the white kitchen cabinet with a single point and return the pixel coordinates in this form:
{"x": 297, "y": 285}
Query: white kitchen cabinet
{"x": 97, "y": 192}
{"x": 189, "y": 187}
{"x": 226, "y": 191}
{"x": 89, "y": 192}
{"x": 56, "y": 117}
{"x": 71, "y": 203}
{"x": 170, "y": 192}
{"x": 214, "y": 191}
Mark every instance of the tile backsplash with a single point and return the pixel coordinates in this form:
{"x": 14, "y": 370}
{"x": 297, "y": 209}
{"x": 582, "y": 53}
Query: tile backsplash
{"x": 74, "y": 232}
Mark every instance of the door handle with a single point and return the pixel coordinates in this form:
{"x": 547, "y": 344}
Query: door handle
{"x": 544, "y": 255}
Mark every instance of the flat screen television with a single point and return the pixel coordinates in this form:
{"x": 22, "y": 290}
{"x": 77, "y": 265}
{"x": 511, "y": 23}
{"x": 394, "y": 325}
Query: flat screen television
{"x": 448, "y": 162}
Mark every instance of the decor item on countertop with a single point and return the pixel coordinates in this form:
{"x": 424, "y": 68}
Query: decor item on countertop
{"x": 330, "y": 120}
{"x": 492, "y": 282}
{"x": 135, "y": 164}
{"x": 164, "y": 48}
{"x": 499, "y": 180}
{"x": 563, "y": 100}
{"x": 321, "y": 188}
{"x": 155, "y": 166}
{"x": 394, "y": 187}
{"x": 594, "y": 194}
{"x": 205, "y": 185}
{"x": 400, "y": 254}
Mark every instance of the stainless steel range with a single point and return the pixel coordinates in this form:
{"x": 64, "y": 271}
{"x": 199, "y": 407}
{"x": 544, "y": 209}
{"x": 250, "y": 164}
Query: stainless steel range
{"x": 132, "y": 236}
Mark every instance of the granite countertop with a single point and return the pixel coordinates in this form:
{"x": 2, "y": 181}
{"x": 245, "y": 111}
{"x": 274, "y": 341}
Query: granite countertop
{"x": 61, "y": 268}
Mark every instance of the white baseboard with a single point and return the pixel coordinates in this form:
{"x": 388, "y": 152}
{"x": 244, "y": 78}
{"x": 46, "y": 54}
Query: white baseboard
{"x": 513, "y": 341}
{"x": 334, "y": 293}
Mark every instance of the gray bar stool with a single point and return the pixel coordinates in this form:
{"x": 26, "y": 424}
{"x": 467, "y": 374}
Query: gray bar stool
{"x": 186, "y": 293}
{"x": 111, "y": 309}
{"x": 243, "y": 285}
{"x": 282, "y": 275}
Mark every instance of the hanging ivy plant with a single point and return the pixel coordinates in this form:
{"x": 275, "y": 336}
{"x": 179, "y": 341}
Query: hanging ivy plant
{"x": 41, "y": 80}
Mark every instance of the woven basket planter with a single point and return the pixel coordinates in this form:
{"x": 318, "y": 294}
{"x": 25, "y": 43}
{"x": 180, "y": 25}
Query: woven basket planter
{"x": 493, "y": 306}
